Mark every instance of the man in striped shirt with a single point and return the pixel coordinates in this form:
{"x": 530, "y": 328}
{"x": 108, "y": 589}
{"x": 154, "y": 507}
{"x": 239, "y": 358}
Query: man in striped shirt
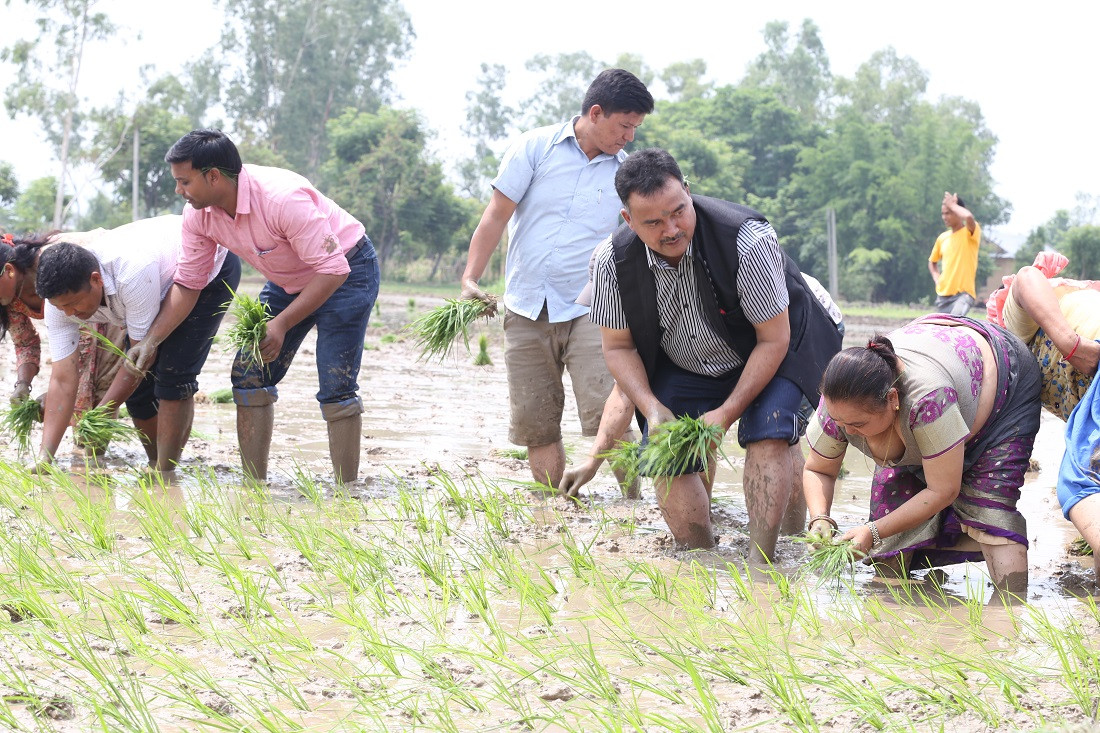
{"x": 697, "y": 305}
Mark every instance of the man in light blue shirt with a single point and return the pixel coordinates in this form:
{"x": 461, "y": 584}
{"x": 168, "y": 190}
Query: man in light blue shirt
{"x": 556, "y": 193}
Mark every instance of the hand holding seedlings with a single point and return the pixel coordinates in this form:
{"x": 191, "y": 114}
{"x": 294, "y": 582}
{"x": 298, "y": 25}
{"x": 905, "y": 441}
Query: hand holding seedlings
{"x": 471, "y": 291}
{"x": 821, "y": 531}
{"x": 19, "y": 420}
{"x": 436, "y": 330}
{"x": 20, "y": 392}
{"x": 140, "y": 357}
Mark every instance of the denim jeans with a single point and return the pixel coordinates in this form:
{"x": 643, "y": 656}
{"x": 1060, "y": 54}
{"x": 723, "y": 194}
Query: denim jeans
{"x": 341, "y": 323}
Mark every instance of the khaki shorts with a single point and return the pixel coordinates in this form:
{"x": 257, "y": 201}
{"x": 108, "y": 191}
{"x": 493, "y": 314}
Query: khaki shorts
{"x": 536, "y": 353}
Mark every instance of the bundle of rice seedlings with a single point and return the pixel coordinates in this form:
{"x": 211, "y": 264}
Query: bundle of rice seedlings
{"x": 96, "y": 429}
{"x": 436, "y": 330}
{"x": 19, "y": 420}
{"x": 625, "y": 457}
{"x": 830, "y": 559}
{"x": 250, "y": 318}
{"x": 679, "y": 446}
{"x": 482, "y": 358}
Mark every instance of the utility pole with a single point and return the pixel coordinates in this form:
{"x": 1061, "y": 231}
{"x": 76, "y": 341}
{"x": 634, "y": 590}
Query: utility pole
{"x": 830, "y": 230}
{"x": 135, "y": 207}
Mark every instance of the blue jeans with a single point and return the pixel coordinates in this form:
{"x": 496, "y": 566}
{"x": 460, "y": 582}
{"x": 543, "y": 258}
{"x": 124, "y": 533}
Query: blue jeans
{"x": 341, "y": 323}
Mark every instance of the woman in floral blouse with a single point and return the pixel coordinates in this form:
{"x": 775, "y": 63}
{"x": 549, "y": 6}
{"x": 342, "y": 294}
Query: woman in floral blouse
{"x": 947, "y": 408}
{"x": 20, "y": 306}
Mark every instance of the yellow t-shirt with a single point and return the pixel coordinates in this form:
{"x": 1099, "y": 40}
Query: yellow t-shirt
{"x": 959, "y": 252}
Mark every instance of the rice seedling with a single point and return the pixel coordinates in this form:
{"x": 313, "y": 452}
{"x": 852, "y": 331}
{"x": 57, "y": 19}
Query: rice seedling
{"x": 221, "y": 396}
{"x": 96, "y": 429}
{"x": 831, "y": 558}
{"x": 108, "y": 345}
{"x": 680, "y": 446}
{"x": 482, "y": 358}
{"x": 19, "y": 420}
{"x": 437, "y": 330}
{"x": 625, "y": 459}
{"x": 1080, "y": 547}
{"x": 249, "y": 328}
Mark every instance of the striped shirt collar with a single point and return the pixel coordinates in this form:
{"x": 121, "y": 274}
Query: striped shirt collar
{"x": 656, "y": 262}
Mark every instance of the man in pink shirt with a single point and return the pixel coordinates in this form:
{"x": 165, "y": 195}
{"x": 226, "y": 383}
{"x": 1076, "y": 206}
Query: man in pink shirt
{"x": 321, "y": 270}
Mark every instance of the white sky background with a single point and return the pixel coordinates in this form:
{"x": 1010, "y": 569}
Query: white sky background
{"x": 1029, "y": 68}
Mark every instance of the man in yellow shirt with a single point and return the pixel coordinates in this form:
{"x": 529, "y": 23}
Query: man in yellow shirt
{"x": 958, "y": 250}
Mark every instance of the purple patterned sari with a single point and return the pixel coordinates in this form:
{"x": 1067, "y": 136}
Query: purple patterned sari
{"x": 994, "y": 463}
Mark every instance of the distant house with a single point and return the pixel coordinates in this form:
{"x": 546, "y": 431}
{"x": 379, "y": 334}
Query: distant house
{"x": 1004, "y": 263}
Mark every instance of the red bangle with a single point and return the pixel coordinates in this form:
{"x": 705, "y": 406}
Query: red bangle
{"x": 1074, "y": 349}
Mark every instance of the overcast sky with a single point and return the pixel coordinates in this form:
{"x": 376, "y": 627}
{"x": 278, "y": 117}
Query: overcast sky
{"x": 1029, "y": 68}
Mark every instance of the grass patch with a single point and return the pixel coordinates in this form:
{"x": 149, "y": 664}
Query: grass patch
{"x": 1079, "y": 547}
{"x": 482, "y": 358}
{"x": 221, "y": 396}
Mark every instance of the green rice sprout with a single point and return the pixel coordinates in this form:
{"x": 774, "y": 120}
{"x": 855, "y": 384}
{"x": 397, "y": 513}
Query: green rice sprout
{"x": 436, "y": 330}
{"x": 830, "y": 559}
{"x": 625, "y": 458}
{"x": 1080, "y": 547}
{"x": 19, "y": 420}
{"x": 482, "y": 358}
{"x": 96, "y": 429}
{"x": 678, "y": 446}
{"x": 108, "y": 345}
{"x": 249, "y": 328}
{"x": 221, "y": 396}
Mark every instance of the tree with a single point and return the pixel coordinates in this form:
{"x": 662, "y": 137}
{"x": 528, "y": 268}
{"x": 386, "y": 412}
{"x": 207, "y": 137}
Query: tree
{"x": 1083, "y": 250}
{"x": 559, "y": 95}
{"x": 684, "y": 80}
{"x": 798, "y": 69}
{"x": 70, "y": 25}
{"x": 33, "y": 210}
{"x": 378, "y": 171}
{"x": 9, "y": 184}
{"x": 306, "y": 61}
{"x": 487, "y": 120}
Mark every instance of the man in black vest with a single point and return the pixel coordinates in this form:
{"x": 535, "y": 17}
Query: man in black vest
{"x": 702, "y": 313}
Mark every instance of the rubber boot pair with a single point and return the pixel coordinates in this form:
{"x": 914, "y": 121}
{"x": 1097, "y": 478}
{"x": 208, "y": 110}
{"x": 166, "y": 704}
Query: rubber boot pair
{"x": 254, "y": 428}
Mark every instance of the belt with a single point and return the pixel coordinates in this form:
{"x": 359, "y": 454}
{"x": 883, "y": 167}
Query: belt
{"x": 357, "y": 246}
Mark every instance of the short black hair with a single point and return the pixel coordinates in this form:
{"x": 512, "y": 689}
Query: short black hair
{"x": 206, "y": 149}
{"x": 959, "y": 201}
{"x": 64, "y": 268}
{"x": 617, "y": 90}
{"x": 646, "y": 172}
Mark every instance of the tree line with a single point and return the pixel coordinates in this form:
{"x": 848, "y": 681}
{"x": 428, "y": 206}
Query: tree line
{"x": 307, "y": 85}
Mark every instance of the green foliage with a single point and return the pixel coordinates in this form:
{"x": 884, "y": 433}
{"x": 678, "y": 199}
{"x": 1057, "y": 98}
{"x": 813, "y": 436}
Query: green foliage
{"x": 404, "y": 203}
{"x": 676, "y": 446}
{"x": 47, "y": 79}
{"x": 95, "y": 429}
{"x": 305, "y": 62}
{"x": 9, "y": 184}
{"x": 863, "y": 273}
{"x": 486, "y": 122}
{"x": 221, "y": 396}
{"x": 1082, "y": 244}
{"x": 33, "y": 210}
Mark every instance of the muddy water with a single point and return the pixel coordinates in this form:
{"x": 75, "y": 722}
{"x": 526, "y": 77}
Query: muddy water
{"x": 453, "y": 415}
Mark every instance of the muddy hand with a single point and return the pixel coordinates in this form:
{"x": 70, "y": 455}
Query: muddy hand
{"x": 140, "y": 357}
{"x": 574, "y": 478}
{"x": 820, "y": 533}
{"x": 20, "y": 392}
{"x": 470, "y": 291}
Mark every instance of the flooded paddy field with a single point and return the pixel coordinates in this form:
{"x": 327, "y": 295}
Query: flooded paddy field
{"x": 441, "y": 592}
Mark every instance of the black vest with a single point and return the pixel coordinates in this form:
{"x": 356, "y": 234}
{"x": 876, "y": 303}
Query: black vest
{"x": 814, "y": 338}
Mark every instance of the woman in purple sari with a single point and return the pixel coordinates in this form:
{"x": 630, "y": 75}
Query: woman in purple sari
{"x": 947, "y": 408}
